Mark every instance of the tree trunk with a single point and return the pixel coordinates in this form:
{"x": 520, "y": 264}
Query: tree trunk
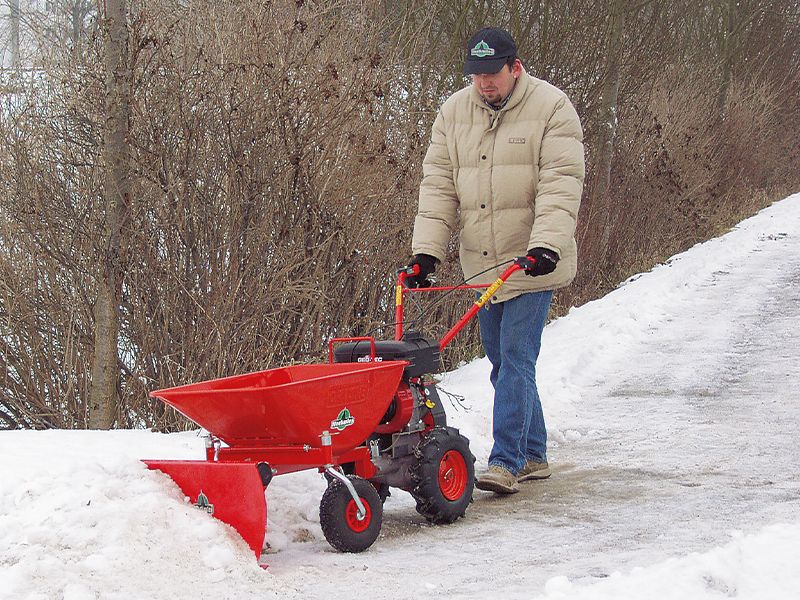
{"x": 728, "y": 48}
{"x": 76, "y": 27}
{"x": 608, "y": 111}
{"x": 16, "y": 61}
{"x": 105, "y": 371}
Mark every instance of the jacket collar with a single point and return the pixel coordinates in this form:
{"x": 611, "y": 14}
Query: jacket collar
{"x": 516, "y": 94}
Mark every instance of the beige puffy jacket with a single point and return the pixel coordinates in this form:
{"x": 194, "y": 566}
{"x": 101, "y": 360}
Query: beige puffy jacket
{"x": 510, "y": 180}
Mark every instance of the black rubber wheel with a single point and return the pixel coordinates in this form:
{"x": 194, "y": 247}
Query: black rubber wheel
{"x": 443, "y": 475}
{"x": 338, "y": 515}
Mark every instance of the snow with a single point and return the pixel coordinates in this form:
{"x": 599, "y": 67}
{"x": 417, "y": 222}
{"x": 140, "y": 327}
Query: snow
{"x": 754, "y": 566}
{"x": 673, "y": 415}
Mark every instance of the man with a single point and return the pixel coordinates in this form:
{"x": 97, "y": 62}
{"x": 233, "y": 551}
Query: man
{"x": 505, "y": 166}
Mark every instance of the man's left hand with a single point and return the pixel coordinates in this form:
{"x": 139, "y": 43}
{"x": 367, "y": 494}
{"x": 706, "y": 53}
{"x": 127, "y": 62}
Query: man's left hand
{"x": 544, "y": 261}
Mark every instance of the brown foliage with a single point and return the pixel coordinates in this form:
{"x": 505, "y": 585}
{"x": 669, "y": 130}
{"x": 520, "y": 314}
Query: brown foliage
{"x": 275, "y": 159}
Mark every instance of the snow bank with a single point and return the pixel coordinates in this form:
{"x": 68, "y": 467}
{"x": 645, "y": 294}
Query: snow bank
{"x": 81, "y": 517}
{"x": 762, "y": 566}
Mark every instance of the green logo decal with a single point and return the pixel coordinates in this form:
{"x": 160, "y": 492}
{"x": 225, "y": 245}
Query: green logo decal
{"x": 482, "y": 49}
{"x": 343, "y": 420}
{"x": 203, "y": 503}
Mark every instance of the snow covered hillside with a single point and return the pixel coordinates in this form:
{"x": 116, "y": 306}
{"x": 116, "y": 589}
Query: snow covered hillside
{"x": 673, "y": 406}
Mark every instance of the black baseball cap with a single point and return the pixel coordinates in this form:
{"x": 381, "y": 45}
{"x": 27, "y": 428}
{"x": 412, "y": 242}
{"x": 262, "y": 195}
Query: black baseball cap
{"x": 488, "y": 50}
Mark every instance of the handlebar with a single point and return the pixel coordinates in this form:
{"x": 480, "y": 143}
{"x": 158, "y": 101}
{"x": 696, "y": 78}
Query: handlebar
{"x": 521, "y": 262}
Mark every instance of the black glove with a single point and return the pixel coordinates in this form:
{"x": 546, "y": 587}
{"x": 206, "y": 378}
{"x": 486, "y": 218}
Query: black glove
{"x": 544, "y": 261}
{"x": 427, "y": 265}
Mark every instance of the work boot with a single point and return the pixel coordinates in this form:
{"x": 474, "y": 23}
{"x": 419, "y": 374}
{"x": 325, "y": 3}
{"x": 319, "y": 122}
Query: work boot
{"x": 534, "y": 470}
{"x": 497, "y": 479}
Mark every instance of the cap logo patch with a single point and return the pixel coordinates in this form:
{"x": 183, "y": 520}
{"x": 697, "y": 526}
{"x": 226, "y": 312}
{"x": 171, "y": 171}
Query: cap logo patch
{"x": 482, "y": 50}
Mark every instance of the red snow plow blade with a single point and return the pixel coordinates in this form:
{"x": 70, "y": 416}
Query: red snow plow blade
{"x": 231, "y": 492}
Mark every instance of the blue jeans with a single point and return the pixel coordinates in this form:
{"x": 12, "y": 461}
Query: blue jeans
{"x": 511, "y": 333}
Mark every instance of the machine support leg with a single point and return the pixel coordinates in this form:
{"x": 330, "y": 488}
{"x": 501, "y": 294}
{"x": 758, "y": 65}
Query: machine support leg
{"x": 348, "y": 484}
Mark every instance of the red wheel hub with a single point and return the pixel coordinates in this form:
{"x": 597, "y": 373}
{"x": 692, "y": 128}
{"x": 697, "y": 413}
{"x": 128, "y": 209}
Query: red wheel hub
{"x": 351, "y": 515}
{"x": 452, "y": 475}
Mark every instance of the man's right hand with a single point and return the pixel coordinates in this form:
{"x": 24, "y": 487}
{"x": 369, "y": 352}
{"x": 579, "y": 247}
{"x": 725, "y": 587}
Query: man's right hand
{"x": 427, "y": 265}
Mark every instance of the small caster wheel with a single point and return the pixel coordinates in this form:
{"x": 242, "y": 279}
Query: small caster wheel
{"x": 339, "y": 518}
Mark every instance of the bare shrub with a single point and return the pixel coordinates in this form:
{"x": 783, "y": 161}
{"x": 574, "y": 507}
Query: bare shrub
{"x": 681, "y": 175}
{"x": 275, "y": 154}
